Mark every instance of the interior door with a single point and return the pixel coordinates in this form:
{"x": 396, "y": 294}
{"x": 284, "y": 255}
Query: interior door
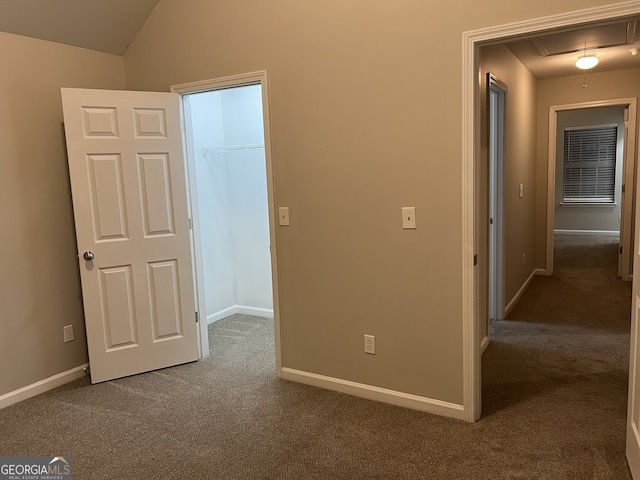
{"x": 497, "y": 113}
{"x": 131, "y": 214}
{"x": 625, "y": 262}
{"x": 633, "y": 408}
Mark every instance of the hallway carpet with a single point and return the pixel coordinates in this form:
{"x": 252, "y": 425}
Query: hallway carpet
{"x": 554, "y": 395}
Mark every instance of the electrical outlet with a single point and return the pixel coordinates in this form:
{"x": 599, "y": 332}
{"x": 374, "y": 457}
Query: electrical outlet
{"x": 68, "y": 333}
{"x": 370, "y": 344}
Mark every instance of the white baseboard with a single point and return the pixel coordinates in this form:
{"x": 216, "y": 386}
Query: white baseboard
{"x": 42, "y": 386}
{"x": 484, "y": 344}
{"x": 220, "y": 314}
{"x": 609, "y": 233}
{"x": 516, "y": 297}
{"x": 378, "y": 394}
{"x": 255, "y": 311}
{"x": 242, "y": 309}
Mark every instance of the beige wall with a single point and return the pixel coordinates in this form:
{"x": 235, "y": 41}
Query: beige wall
{"x": 567, "y": 90}
{"x": 519, "y": 216}
{"x": 366, "y": 118}
{"x": 39, "y": 284}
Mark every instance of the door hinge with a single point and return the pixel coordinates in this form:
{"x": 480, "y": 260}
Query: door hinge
{"x": 620, "y": 250}
{"x": 197, "y": 317}
{"x": 190, "y": 224}
{"x": 475, "y": 259}
{"x": 623, "y": 188}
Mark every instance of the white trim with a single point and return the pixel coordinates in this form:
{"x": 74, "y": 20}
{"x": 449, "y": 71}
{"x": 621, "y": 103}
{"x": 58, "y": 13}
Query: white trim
{"x": 521, "y": 290}
{"x": 252, "y": 78}
{"x": 377, "y": 394}
{"x": 241, "y": 309}
{"x": 239, "y": 80}
{"x": 484, "y": 344}
{"x": 471, "y": 42}
{"x": 631, "y": 103}
{"x": 220, "y": 314}
{"x": 42, "y": 386}
{"x": 608, "y": 233}
{"x": 255, "y": 311}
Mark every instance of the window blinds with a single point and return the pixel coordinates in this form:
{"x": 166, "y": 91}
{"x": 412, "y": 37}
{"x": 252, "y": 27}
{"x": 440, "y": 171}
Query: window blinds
{"x": 589, "y": 164}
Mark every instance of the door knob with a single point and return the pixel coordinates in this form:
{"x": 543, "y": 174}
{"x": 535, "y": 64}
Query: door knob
{"x": 88, "y": 256}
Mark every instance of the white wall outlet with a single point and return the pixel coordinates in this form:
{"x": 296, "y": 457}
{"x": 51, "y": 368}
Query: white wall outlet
{"x": 370, "y": 344}
{"x": 521, "y": 190}
{"x": 409, "y": 218}
{"x": 283, "y": 216}
{"x": 68, "y": 333}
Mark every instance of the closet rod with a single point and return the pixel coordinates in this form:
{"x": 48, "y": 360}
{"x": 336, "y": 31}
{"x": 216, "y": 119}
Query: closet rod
{"x": 234, "y": 148}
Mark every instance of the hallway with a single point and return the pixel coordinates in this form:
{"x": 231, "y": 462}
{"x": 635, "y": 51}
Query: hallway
{"x": 558, "y": 365}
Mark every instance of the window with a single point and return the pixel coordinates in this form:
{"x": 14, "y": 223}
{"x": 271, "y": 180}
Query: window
{"x": 589, "y": 164}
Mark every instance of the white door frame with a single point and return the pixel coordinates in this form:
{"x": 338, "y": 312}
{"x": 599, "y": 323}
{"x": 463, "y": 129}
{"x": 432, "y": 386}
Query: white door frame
{"x": 626, "y": 233}
{"x": 471, "y": 42}
{"x": 253, "y": 78}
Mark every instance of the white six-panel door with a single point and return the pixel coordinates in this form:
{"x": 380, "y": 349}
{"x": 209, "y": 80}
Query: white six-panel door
{"x": 130, "y": 205}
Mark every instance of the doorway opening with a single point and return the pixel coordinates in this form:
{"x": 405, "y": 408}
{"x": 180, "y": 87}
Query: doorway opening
{"x": 472, "y": 41}
{"x": 604, "y": 219}
{"x": 226, "y": 136}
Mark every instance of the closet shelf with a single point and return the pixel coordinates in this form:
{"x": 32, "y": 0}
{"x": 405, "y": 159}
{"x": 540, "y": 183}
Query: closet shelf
{"x": 233, "y": 148}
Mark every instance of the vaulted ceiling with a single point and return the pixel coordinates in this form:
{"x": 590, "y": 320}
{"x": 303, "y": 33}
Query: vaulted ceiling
{"x": 104, "y": 25}
{"x": 111, "y": 25}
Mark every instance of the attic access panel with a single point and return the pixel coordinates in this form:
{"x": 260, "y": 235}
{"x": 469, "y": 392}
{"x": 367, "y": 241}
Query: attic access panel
{"x": 602, "y": 36}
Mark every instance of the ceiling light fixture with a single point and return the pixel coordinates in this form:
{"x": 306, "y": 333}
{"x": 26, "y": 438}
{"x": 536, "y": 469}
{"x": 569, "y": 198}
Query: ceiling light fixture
{"x": 587, "y": 62}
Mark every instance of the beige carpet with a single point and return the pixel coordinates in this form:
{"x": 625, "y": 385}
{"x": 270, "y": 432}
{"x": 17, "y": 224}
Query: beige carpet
{"x": 554, "y": 392}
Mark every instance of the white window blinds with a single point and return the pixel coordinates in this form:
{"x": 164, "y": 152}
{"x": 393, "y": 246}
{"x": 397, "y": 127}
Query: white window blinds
{"x": 589, "y": 164}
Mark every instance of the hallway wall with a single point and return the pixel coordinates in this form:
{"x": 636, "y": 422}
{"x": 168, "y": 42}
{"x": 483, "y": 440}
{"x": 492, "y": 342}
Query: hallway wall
{"x": 519, "y": 168}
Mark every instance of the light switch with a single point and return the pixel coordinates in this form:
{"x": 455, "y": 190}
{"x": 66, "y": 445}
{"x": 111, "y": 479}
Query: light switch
{"x": 283, "y": 215}
{"x": 521, "y": 190}
{"x": 409, "y": 218}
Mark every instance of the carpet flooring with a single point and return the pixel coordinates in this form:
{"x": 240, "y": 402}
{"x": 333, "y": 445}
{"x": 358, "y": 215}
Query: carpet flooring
{"x": 554, "y": 404}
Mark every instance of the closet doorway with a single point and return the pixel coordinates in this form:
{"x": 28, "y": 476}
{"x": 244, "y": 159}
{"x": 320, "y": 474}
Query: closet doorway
{"x": 230, "y": 182}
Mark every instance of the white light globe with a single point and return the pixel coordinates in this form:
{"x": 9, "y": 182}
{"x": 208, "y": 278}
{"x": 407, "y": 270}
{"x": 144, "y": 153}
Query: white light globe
{"x": 587, "y": 62}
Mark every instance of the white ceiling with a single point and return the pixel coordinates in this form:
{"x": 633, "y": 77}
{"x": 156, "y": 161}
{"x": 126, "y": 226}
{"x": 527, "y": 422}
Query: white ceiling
{"x": 104, "y": 25}
{"x": 598, "y": 40}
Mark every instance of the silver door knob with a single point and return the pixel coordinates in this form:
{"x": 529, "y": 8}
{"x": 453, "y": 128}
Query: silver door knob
{"x": 88, "y": 256}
